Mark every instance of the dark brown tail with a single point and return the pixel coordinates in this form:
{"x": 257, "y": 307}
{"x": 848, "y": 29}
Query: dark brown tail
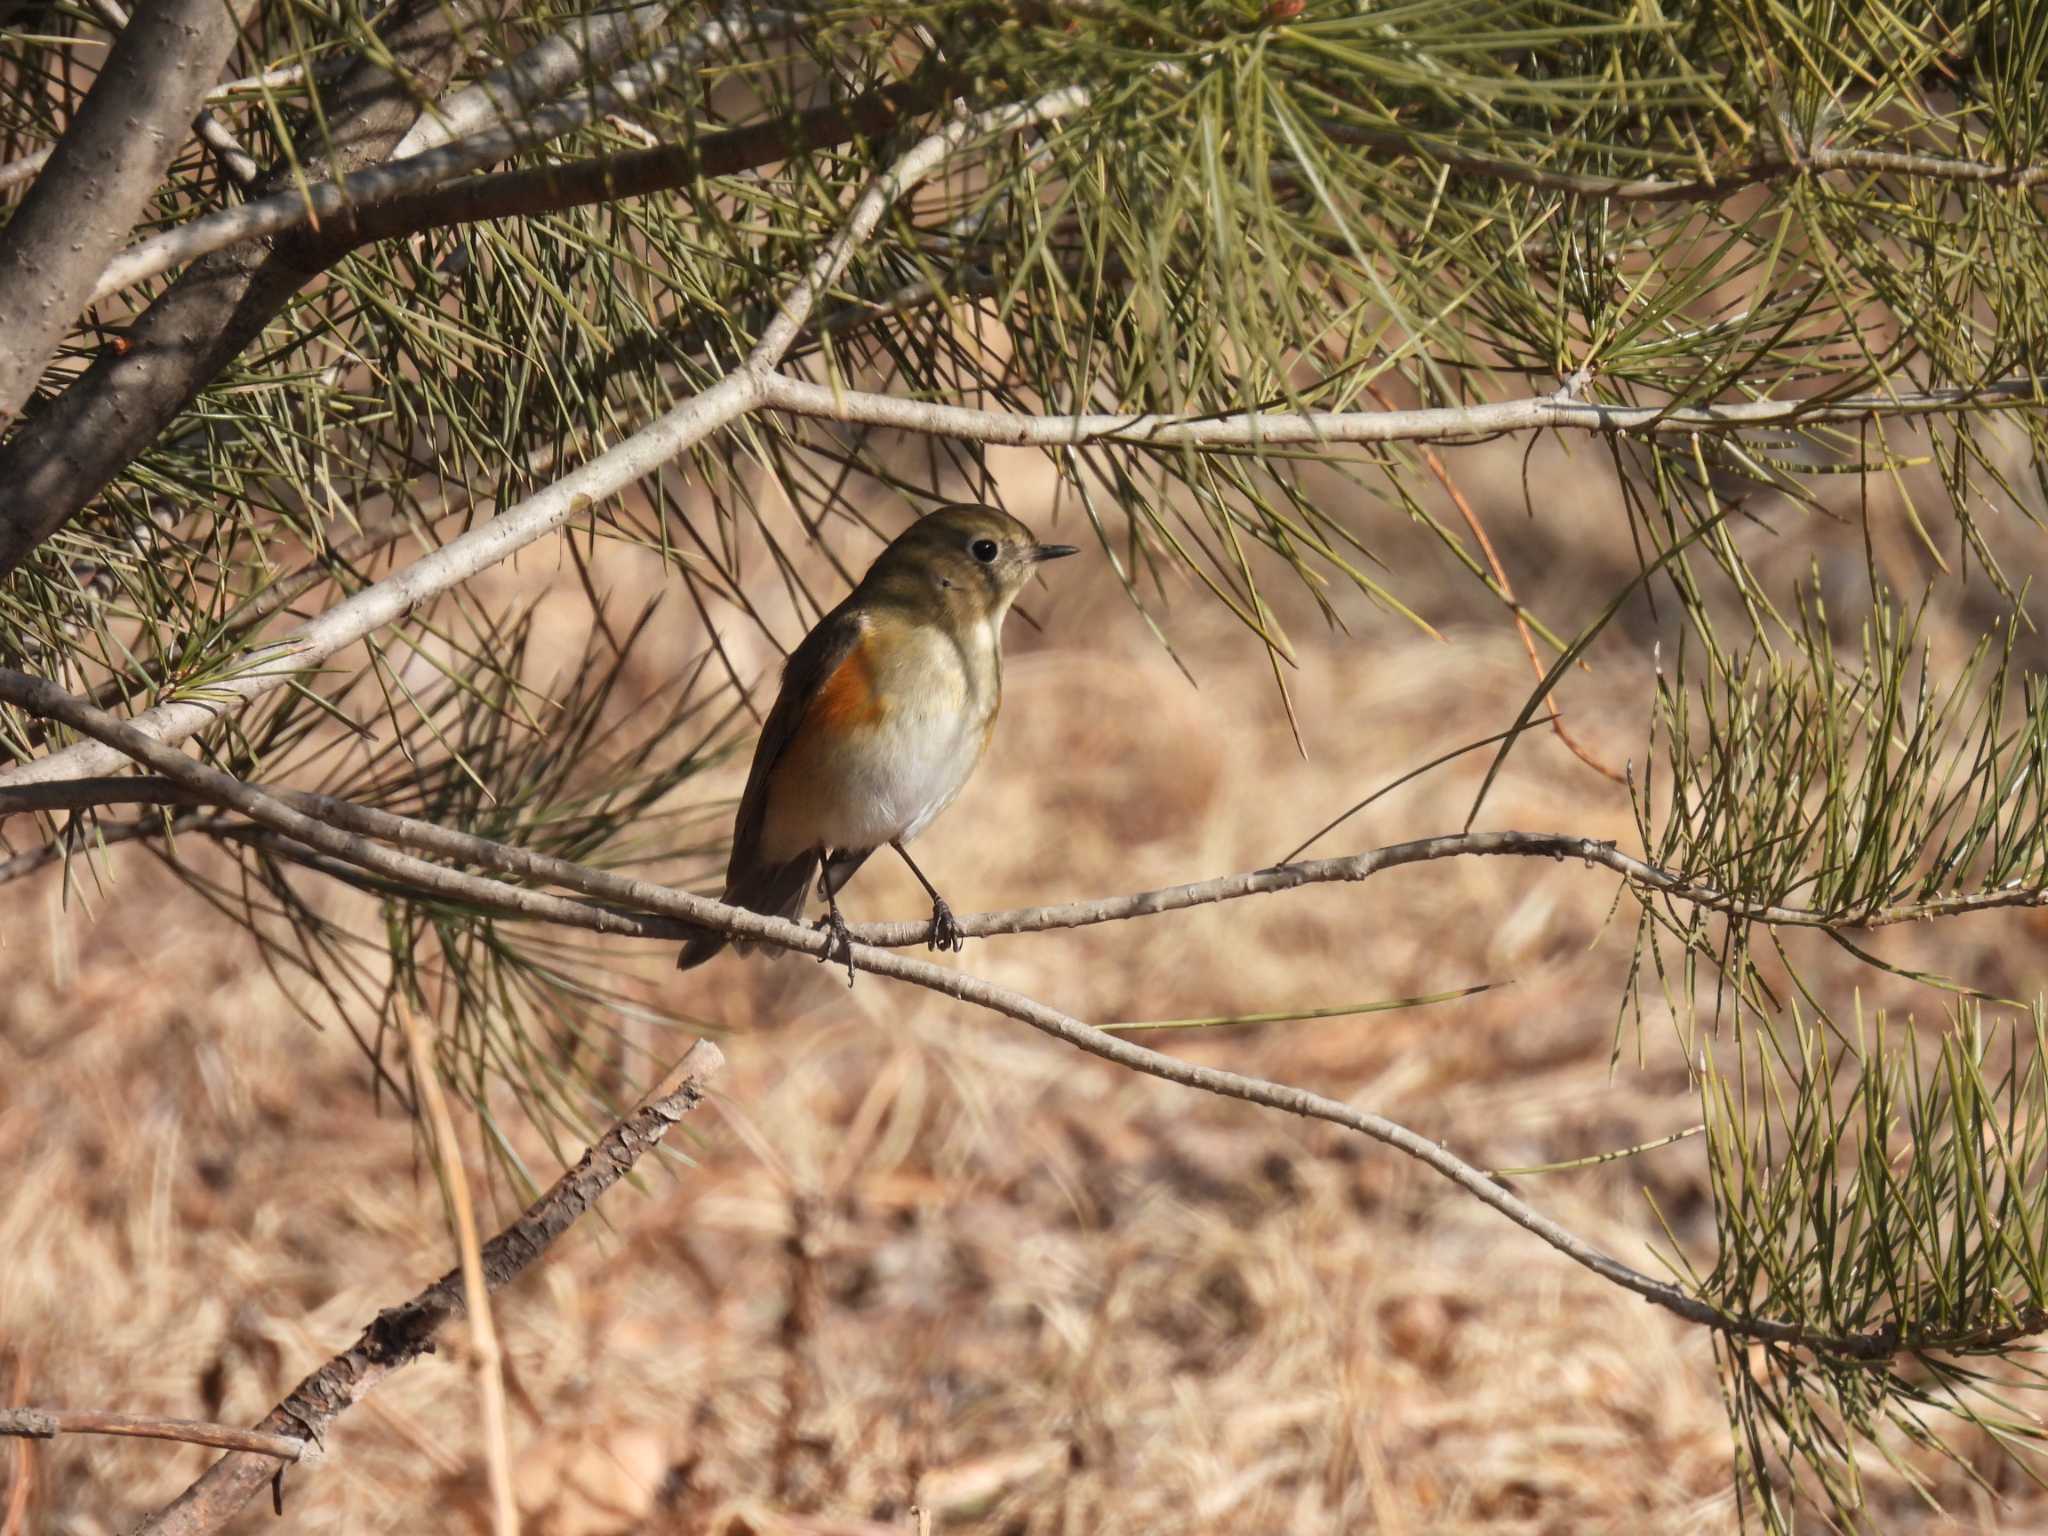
{"x": 776, "y": 890}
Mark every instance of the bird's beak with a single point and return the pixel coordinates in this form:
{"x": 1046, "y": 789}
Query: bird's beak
{"x": 1052, "y": 551}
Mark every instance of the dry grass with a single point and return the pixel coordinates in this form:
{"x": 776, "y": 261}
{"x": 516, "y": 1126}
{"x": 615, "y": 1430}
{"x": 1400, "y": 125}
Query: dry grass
{"x": 924, "y": 1255}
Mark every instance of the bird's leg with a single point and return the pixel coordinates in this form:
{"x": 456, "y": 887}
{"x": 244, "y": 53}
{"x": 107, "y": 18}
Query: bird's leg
{"x": 945, "y": 932}
{"x": 842, "y": 939}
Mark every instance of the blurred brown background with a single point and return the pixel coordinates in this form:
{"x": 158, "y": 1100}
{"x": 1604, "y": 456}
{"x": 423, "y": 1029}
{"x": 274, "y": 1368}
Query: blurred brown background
{"x": 1038, "y": 1294}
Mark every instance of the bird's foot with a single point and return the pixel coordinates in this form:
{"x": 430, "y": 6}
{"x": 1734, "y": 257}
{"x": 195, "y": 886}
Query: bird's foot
{"x": 945, "y": 932}
{"x": 840, "y": 947}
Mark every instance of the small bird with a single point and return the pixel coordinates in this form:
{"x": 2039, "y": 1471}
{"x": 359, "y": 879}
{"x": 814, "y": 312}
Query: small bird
{"x": 884, "y": 711}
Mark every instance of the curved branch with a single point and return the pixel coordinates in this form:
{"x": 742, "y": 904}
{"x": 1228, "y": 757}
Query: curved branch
{"x": 1874, "y": 1347}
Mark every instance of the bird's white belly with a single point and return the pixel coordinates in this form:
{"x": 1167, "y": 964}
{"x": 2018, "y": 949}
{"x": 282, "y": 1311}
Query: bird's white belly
{"x": 893, "y": 778}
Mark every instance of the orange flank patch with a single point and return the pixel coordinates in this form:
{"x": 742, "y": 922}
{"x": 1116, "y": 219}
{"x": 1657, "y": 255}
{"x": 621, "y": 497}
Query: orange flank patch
{"x": 847, "y": 698}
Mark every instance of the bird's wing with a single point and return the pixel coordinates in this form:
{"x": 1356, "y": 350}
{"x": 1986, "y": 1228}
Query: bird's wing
{"x": 809, "y": 668}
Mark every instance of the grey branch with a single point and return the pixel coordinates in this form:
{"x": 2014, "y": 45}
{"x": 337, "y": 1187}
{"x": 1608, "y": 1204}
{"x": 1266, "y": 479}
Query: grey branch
{"x": 45, "y": 699}
{"x": 401, "y": 1334}
{"x": 99, "y": 176}
{"x": 1318, "y": 429}
{"x": 282, "y": 78}
{"x": 47, "y": 1423}
{"x": 628, "y": 895}
{"x": 754, "y": 387}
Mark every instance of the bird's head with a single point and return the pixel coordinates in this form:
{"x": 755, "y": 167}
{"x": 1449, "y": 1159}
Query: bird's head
{"x": 966, "y": 560}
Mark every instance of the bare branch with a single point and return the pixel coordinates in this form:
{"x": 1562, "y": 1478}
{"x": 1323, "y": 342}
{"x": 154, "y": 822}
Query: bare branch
{"x": 510, "y": 93}
{"x": 1876, "y": 1346}
{"x": 572, "y": 184}
{"x": 98, "y": 177}
{"x": 403, "y": 1333}
{"x": 47, "y": 1423}
{"x": 46, "y": 699}
{"x": 630, "y": 895}
{"x": 1320, "y": 429}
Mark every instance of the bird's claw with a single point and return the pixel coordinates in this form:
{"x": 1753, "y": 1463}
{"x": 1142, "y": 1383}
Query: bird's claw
{"x": 945, "y": 934}
{"x": 840, "y": 946}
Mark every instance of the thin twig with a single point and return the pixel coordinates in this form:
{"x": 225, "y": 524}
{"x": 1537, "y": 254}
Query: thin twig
{"x": 476, "y": 1291}
{"x": 1773, "y": 166}
{"x": 303, "y": 649}
{"x": 47, "y": 1423}
{"x": 403, "y": 1333}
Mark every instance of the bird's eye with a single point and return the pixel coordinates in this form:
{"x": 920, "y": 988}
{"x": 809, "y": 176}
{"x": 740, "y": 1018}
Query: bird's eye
{"x": 983, "y": 550}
